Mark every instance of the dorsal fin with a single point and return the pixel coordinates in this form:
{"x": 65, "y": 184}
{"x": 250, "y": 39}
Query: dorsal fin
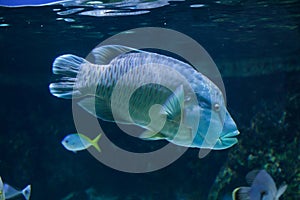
{"x": 263, "y": 178}
{"x": 280, "y": 191}
{"x": 104, "y": 54}
{"x": 251, "y": 176}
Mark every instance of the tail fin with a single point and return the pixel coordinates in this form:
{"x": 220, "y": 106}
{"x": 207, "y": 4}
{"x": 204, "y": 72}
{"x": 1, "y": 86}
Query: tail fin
{"x": 95, "y": 142}
{"x": 26, "y": 192}
{"x": 69, "y": 66}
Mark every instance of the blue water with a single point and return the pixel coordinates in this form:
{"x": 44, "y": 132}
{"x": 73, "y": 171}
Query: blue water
{"x": 254, "y": 44}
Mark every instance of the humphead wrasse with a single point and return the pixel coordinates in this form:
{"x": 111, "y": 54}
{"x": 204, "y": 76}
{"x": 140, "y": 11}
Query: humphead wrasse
{"x": 165, "y": 96}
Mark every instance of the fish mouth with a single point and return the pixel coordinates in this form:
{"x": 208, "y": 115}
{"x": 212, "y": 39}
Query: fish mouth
{"x": 229, "y": 139}
{"x": 231, "y": 134}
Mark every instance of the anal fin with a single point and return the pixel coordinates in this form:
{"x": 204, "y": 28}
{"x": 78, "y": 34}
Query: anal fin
{"x": 151, "y": 135}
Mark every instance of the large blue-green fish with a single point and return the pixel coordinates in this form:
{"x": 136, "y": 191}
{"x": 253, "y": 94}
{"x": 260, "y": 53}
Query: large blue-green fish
{"x": 192, "y": 107}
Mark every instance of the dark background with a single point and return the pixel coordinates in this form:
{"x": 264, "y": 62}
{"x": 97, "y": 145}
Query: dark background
{"x": 33, "y": 122}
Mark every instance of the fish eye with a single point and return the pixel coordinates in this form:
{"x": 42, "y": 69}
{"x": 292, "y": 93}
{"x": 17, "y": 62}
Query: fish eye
{"x": 216, "y": 107}
{"x": 67, "y": 141}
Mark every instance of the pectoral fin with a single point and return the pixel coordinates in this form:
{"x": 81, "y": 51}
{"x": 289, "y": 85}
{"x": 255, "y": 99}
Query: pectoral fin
{"x": 174, "y": 104}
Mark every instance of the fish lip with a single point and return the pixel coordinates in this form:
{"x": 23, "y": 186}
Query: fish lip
{"x": 227, "y": 140}
{"x": 232, "y": 134}
{"x": 230, "y": 137}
